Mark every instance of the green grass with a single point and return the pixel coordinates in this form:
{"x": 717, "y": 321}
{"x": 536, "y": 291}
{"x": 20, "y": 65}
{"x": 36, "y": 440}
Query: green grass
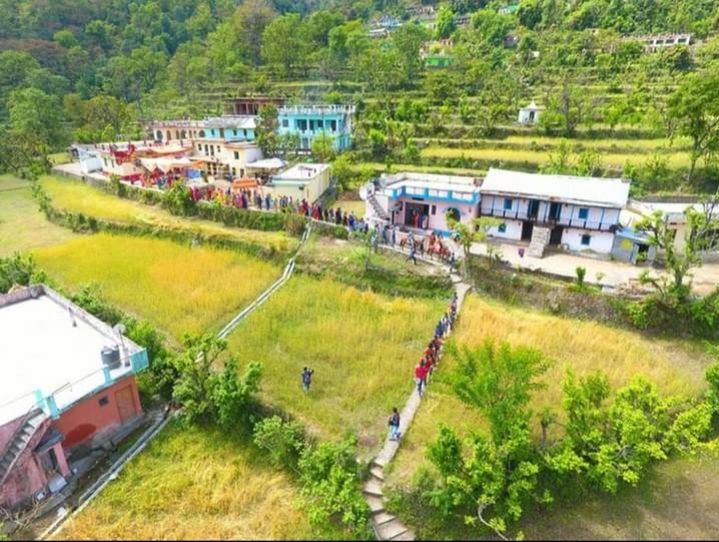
{"x": 380, "y": 167}
{"x": 22, "y": 226}
{"x": 362, "y": 346}
{"x": 78, "y": 197}
{"x": 614, "y": 160}
{"x": 178, "y": 288}
{"x": 583, "y": 346}
{"x": 195, "y": 483}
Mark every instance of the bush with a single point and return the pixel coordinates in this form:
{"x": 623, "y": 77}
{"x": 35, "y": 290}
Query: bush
{"x": 178, "y": 200}
{"x": 19, "y": 269}
{"x": 294, "y": 224}
{"x": 283, "y": 441}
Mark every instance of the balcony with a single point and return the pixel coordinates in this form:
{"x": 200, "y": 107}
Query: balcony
{"x": 514, "y": 214}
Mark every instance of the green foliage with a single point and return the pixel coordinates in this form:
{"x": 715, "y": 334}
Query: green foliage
{"x": 267, "y": 138}
{"x": 19, "y": 269}
{"x": 178, "y": 200}
{"x": 329, "y": 474}
{"x": 282, "y": 441}
{"x": 232, "y": 396}
{"x": 323, "y": 147}
{"x": 445, "y": 22}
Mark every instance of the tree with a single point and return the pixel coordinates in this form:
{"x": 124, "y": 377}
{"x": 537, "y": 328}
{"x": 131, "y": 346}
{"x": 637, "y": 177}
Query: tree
{"x": 34, "y": 114}
{"x": 702, "y": 233}
{"x": 284, "y": 43}
{"x": 105, "y": 118}
{"x": 694, "y": 111}
{"x": 18, "y": 270}
{"x": 267, "y": 138}
{"x": 467, "y": 234}
{"x": 248, "y": 24}
{"x": 342, "y": 171}
{"x": 445, "y": 22}
{"x": 323, "y": 147}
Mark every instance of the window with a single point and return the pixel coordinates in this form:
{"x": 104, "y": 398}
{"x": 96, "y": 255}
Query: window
{"x": 434, "y": 209}
{"x": 199, "y": 147}
{"x": 583, "y": 213}
{"x": 586, "y": 239}
{"x": 218, "y": 148}
{"x": 507, "y": 204}
{"x": 333, "y": 125}
{"x": 237, "y": 155}
{"x": 103, "y": 400}
{"x": 222, "y": 132}
{"x": 285, "y": 123}
{"x": 502, "y": 228}
{"x": 234, "y": 132}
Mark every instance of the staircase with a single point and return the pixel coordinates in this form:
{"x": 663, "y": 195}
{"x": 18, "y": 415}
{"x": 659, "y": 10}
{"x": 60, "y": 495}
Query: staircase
{"x": 378, "y": 210}
{"x": 19, "y": 441}
{"x": 385, "y": 525}
{"x": 540, "y": 240}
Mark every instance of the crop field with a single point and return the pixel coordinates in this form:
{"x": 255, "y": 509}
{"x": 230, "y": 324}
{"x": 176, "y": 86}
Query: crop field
{"x": 580, "y": 345}
{"x": 197, "y": 484}
{"x": 178, "y": 288}
{"x": 362, "y": 346}
{"x": 22, "y": 225}
{"x": 616, "y": 160}
{"x": 379, "y": 166}
{"x": 78, "y": 197}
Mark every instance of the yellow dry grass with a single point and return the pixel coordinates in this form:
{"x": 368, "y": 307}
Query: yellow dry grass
{"x": 178, "y": 288}
{"x": 194, "y": 484}
{"x": 363, "y": 347}
{"x": 78, "y": 197}
{"x": 583, "y": 346}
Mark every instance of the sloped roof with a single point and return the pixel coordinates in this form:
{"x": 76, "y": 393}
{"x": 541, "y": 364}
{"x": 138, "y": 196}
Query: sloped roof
{"x": 595, "y": 191}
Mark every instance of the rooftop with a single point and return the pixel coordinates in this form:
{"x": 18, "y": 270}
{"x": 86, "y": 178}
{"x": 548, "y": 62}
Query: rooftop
{"x": 300, "y": 172}
{"x": 431, "y": 181}
{"x": 51, "y": 345}
{"x": 595, "y": 191}
{"x": 267, "y": 163}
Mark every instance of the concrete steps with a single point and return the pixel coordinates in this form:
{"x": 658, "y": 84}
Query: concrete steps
{"x": 540, "y": 240}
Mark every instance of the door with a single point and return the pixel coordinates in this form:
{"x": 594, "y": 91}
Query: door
{"x": 555, "y": 211}
{"x": 532, "y": 208}
{"x": 125, "y": 401}
{"x": 527, "y": 228}
{"x": 555, "y": 238}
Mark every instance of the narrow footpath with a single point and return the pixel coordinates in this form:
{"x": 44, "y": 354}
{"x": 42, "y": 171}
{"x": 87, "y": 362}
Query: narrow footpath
{"x": 385, "y": 525}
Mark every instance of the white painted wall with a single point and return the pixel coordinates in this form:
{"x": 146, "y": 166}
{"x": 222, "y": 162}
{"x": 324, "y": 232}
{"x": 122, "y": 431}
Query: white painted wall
{"x": 514, "y": 230}
{"x": 600, "y": 242}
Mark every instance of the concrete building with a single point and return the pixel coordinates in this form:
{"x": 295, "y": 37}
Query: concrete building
{"x": 421, "y": 200}
{"x": 301, "y": 181}
{"x": 250, "y": 105}
{"x": 662, "y": 41}
{"x": 308, "y": 121}
{"x": 574, "y": 213}
{"x": 530, "y": 114}
{"x": 68, "y": 384}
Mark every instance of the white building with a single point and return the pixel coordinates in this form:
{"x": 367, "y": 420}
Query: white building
{"x": 301, "y": 181}
{"x": 574, "y": 213}
{"x": 530, "y": 114}
{"x": 421, "y": 200}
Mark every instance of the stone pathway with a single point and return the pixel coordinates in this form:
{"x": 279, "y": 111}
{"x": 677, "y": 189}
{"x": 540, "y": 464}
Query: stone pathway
{"x": 385, "y": 525}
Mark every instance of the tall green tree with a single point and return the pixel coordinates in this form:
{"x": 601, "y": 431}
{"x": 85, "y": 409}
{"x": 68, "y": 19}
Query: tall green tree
{"x": 267, "y": 138}
{"x": 34, "y": 114}
{"x": 445, "y": 22}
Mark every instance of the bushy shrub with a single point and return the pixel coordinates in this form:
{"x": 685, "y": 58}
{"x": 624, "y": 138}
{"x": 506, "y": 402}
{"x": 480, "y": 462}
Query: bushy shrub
{"x": 178, "y": 200}
{"x": 19, "y": 269}
{"x": 282, "y": 441}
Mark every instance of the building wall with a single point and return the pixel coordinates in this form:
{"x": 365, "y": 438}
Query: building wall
{"x": 513, "y": 230}
{"x": 524, "y": 116}
{"x": 600, "y": 242}
{"x": 27, "y": 477}
{"x": 312, "y": 190}
{"x": 438, "y": 218}
{"x": 87, "y": 420}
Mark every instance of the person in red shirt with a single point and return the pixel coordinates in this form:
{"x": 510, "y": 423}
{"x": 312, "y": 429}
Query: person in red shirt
{"x": 420, "y": 377}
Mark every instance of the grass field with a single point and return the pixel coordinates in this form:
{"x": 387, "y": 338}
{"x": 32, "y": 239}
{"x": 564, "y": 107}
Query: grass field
{"x": 22, "y": 225}
{"x": 195, "y": 484}
{"x": 616, "y": 160}
{"x": 582, "y": 346}
{"x": 178, "y": 288}
{"x": 79, "y": 197}
{"x": 362, "y": 346}
{"x": 379, "y": 166}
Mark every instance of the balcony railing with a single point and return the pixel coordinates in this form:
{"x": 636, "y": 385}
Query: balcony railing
{"x": 559, "y": 221}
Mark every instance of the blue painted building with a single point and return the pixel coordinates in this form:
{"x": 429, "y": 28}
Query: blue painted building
{"x": 227, "y": 128}
{"x": 307, "y": 121}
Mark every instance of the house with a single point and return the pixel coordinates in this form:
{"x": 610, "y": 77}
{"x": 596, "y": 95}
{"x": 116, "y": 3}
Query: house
{"x": 439, "y": 60}
{"x": 68, "y": 385}
{"x": 265, "y": 168}
{"x": 509, "y": 9}
{"x": 462, "y": 20}
{"x": 301, "y": 181}
{"x": 633, "y": 246}
{"x": 250, "y": 105}
{"x": 89, "y": 159}
{"x": 308, "y": 121}
{"x": 662, "y": 41}
{"x": 226, "y": 128}
{"x": 574, "y": 213}
{"x": 530, "y": 114}
{"x": 225, "y": 158}
{"x": 421, "y": 200}
{"x": 124, "y": 159}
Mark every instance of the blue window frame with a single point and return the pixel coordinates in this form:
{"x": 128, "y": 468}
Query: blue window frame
{"x": 583, "y": 213}
{"x": 586, "y": 239}
{"x": 507, "y": 204}
{"x": 502, "y": 228}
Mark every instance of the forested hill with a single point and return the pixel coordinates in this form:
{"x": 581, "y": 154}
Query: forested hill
{"x": 89, "y": 68}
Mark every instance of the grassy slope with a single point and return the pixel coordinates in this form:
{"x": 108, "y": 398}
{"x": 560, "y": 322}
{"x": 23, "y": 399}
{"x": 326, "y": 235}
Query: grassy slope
{"x": 607, "y": 159}
{"x": 195, "y": 484}
{"x": 177, "y": 288}
{"x": 362, "y": 346}
{"x": 22, "y": 225}
{"x": 582, "y": 346}
{"x": 79, "y": 197}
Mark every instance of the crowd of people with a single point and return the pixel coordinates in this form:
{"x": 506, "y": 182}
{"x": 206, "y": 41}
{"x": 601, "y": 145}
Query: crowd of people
{"x": 428, "y": 363}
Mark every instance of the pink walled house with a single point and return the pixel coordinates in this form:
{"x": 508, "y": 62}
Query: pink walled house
{"x": 68, "y": 380}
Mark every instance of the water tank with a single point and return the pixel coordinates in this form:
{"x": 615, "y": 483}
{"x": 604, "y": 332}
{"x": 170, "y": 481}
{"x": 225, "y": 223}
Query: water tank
{"x": 111, "y": 356}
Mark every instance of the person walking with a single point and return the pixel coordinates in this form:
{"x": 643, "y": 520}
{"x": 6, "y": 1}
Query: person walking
{"x": 420, "y": 377}
{"x": 307, "y": 378}
{"x": 412, "y": 249}
{"x": 393, "y": 424}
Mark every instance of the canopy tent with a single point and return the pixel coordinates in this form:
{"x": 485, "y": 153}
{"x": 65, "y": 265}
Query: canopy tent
{"x": 245, "y": 183}
{"x": 166, "y": 165}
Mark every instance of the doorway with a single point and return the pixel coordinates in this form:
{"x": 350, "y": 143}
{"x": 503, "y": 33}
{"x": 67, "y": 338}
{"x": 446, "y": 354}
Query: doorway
{"x": 414, "y": 214}
{"x": 533, "y": 209}
{"x": 555, "y": 238}
{"x": 125, "y": 404}
{"x": 555, "y": 211}
{"x": 527, "y": 229}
